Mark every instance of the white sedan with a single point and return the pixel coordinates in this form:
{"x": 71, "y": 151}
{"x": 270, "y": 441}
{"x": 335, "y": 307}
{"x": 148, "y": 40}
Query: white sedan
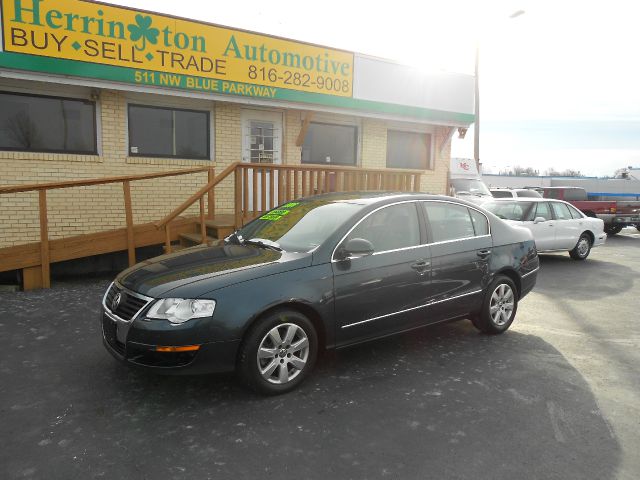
{"x": 556, "y": 225}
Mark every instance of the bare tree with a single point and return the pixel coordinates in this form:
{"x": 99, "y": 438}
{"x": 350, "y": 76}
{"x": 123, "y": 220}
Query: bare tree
{"x": 22, "y": 131}
{"x": 552, "y": 172}
{"x": 520, "y": 171}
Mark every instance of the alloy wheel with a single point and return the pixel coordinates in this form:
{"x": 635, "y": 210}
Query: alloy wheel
{"x": 283, "y": 353}
{"x": 501, "y": 305}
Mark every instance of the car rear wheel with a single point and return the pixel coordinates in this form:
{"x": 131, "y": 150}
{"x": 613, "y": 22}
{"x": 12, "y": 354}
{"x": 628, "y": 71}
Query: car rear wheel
{"x": 612, "y": 229}
{"x": 582, "y": 248}
{"x": 498, "y": 307}
{"x": 278, "y": 352}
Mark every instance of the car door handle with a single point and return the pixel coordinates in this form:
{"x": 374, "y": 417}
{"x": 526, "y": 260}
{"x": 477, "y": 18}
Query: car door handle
{"x": 421, "y": 265}
{"x": 483, "y": 253}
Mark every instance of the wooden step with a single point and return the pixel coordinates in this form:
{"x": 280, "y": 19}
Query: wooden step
{"x": 220, "y": 227}
{"x": 220, "y": 221}
{"x": 174, "y": 248}
{"x": 191, "y": 239}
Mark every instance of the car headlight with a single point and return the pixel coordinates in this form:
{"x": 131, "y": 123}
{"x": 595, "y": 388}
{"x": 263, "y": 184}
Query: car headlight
{"x": 179, "y": 310}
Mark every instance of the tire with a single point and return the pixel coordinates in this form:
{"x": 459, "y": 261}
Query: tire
{"x": 499, "y": 307}
{"x": 638, "y": 227}
{"x": 270, "y": 367}
{"x": 582, "y": 249}
{"x": 612, "y": 229}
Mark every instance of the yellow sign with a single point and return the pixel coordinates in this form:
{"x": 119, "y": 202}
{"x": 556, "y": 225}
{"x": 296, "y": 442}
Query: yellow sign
{"x": 213, "y": 58}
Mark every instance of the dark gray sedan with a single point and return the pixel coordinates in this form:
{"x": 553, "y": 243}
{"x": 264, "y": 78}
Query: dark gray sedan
{"x": 318, "y": 273}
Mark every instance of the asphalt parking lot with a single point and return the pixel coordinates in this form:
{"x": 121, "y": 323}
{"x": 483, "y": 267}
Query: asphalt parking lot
{"x": 556, "y": 397}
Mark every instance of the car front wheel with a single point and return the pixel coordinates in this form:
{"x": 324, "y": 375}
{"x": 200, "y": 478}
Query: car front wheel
{"x": 612, "y": 229}
{"x": 582, "y": 248}
{"x": 278, "y": 352}
{"x": 498, "y": 307}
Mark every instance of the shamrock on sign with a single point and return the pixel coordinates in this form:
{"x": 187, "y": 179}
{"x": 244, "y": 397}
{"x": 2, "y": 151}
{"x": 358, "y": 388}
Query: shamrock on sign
{"x": 143, "y": 31}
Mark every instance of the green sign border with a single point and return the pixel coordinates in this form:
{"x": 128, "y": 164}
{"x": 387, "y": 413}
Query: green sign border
{"x": 76, "y": 68}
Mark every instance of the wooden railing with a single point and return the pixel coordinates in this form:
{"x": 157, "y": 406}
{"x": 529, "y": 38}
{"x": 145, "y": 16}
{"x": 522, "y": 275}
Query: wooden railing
{"x": 43, "y": 188}
{"x": 259, "y": 187}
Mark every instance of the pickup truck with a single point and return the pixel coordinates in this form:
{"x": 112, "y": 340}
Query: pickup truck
{"x": 615, "y": 214}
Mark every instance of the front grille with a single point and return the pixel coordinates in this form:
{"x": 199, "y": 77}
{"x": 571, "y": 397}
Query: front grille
{"x": 129, "y": 304}
{"x": 109, "y": 328}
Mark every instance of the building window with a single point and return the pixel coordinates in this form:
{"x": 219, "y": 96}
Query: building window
{"x": 330, "y": 144}
{"x": 36, "y": 123}
{"x": 168, "y": 132}
{"x": 408, "y": 150}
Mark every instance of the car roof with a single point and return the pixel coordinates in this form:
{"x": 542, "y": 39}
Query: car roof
{"x": 527, "y": 199}
{"x": 370, "y": 198}
{"x": 506, "y": 189}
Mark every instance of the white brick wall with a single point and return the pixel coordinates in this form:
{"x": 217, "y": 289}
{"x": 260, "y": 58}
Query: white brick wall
{"x": 77, "y": 210}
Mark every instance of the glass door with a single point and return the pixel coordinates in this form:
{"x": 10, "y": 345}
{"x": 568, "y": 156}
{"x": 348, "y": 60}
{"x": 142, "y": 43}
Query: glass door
{"x": 261, "y": 143}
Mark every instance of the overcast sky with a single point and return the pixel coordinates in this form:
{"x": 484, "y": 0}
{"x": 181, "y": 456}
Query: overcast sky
{"x": 560, "y": 84}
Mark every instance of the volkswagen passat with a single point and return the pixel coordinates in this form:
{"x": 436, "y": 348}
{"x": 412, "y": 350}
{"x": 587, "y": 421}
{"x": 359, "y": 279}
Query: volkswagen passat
{"x": 318, "y": 273}
{"x": 556, "y": 225}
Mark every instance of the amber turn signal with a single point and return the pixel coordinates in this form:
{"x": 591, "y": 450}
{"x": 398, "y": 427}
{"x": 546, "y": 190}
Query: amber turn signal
{"x": 185, "y": 348}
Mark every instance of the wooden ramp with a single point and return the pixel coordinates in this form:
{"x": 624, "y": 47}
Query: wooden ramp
{"x": 256, "y": 189}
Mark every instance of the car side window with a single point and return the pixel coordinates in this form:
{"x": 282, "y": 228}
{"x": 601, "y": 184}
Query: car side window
{"x": 390, "y": 228}
{"x": 480, "y": 223}
{"x": 542, "y": 210}
{"x": 575, "y": 213}
{"x": 448, "y": 221}
{"x": 561, "y": 211}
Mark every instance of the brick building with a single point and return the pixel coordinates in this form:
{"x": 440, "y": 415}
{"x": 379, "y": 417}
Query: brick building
{"x": 80, "y": 100}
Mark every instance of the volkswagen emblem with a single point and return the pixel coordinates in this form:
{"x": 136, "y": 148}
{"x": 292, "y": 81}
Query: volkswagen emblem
{"x": 116, "y": 302}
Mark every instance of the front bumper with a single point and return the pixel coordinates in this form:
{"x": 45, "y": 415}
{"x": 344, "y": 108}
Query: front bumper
{"x": 212, "y": 357}
{"x": 599, "y": 239}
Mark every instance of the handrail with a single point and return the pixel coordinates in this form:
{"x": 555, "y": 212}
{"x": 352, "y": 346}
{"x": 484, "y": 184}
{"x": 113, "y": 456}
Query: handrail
{"x": 330, "y": 167}
{"x": 272, "y": 166}
{"x": 192, "y": 199}
{"x": 43, "y": 272}
{"x": 257, "y": 188}
{"x": 96, "y": 181}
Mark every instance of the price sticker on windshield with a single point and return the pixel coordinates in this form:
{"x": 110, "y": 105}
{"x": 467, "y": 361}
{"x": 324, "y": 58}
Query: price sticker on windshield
{"x": 278, "y": 213}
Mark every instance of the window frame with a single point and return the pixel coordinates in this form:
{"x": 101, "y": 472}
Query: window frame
{"x": 59, "y": 97}
{"x": 573, "y": 209}
{"x": 428, "y": 161}
{"x": 170, "y": 108}
{"x": 421, "y": 227}
{"x": 549, "y": 208}
{"x": 395, "y": 249}
{"x": 430, "y": 239}
{"x": 356, "y": 138}
{"x": 553, "y": 211}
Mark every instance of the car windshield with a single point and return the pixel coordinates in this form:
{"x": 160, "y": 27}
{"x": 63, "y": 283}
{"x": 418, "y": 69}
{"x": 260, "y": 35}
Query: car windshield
{"x": 508, "y": 210}
{"x": 298, "y": 226}
{"x": 470, "y": 186}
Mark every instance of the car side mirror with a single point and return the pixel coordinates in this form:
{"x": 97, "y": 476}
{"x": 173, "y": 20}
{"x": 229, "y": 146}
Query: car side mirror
{"x": 354, "y": 247}
{"x": 539, "y": 220}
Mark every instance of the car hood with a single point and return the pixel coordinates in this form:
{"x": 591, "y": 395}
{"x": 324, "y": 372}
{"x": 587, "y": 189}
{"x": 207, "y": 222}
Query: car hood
{"x": 192, "y": 272}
